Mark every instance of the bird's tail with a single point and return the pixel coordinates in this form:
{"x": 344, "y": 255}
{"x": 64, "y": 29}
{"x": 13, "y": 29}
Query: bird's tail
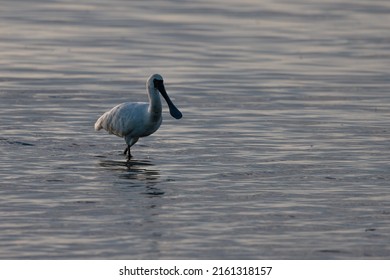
{"x": 98, "y": 124}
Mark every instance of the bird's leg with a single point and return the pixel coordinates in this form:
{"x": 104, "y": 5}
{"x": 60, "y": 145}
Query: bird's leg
{"x": 127, "y": 151}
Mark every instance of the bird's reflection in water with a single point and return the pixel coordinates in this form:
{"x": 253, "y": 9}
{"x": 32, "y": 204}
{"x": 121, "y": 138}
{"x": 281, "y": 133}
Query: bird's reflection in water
{"x": 141, "y": 198}
{"x": 136, "y": 173}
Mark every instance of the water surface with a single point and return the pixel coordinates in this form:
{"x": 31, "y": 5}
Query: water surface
{"x": 282, "y": 153}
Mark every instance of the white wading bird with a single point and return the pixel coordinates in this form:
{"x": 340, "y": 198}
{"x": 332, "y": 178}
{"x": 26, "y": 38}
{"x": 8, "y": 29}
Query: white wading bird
{"x": 133, "y": 120}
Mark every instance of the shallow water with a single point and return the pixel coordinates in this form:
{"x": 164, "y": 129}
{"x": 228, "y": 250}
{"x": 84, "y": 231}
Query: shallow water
{"x": 282, "y": 153}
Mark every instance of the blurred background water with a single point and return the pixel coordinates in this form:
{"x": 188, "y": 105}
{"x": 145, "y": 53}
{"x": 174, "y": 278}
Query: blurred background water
{"x": 282, "y": 153}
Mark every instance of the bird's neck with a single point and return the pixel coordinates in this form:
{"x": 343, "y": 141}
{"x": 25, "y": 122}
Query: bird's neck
{"x": 155, "y": 106}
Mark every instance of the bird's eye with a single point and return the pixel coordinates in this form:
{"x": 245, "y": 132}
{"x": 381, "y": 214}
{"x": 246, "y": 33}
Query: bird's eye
{"x": 157, "y": 82}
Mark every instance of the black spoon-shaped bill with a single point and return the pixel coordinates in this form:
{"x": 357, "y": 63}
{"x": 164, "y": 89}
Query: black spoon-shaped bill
{"x": 172, "y": 108}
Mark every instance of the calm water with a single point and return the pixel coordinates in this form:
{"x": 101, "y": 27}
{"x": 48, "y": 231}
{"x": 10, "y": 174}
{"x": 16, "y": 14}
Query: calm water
{"x": 283, "y": 151}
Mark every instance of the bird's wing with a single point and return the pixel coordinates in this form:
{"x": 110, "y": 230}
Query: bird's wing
{"x": 123, "y": 118}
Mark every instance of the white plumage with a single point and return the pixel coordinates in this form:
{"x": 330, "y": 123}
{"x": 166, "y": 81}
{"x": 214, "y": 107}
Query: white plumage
{"x": 139, "y": 119}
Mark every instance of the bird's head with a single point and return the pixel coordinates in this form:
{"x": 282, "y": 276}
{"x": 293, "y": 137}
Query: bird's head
{"x": 156, "y": 82}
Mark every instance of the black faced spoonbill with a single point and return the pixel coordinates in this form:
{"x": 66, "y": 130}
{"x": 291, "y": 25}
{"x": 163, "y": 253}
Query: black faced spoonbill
{"x": 133, "y": 120}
